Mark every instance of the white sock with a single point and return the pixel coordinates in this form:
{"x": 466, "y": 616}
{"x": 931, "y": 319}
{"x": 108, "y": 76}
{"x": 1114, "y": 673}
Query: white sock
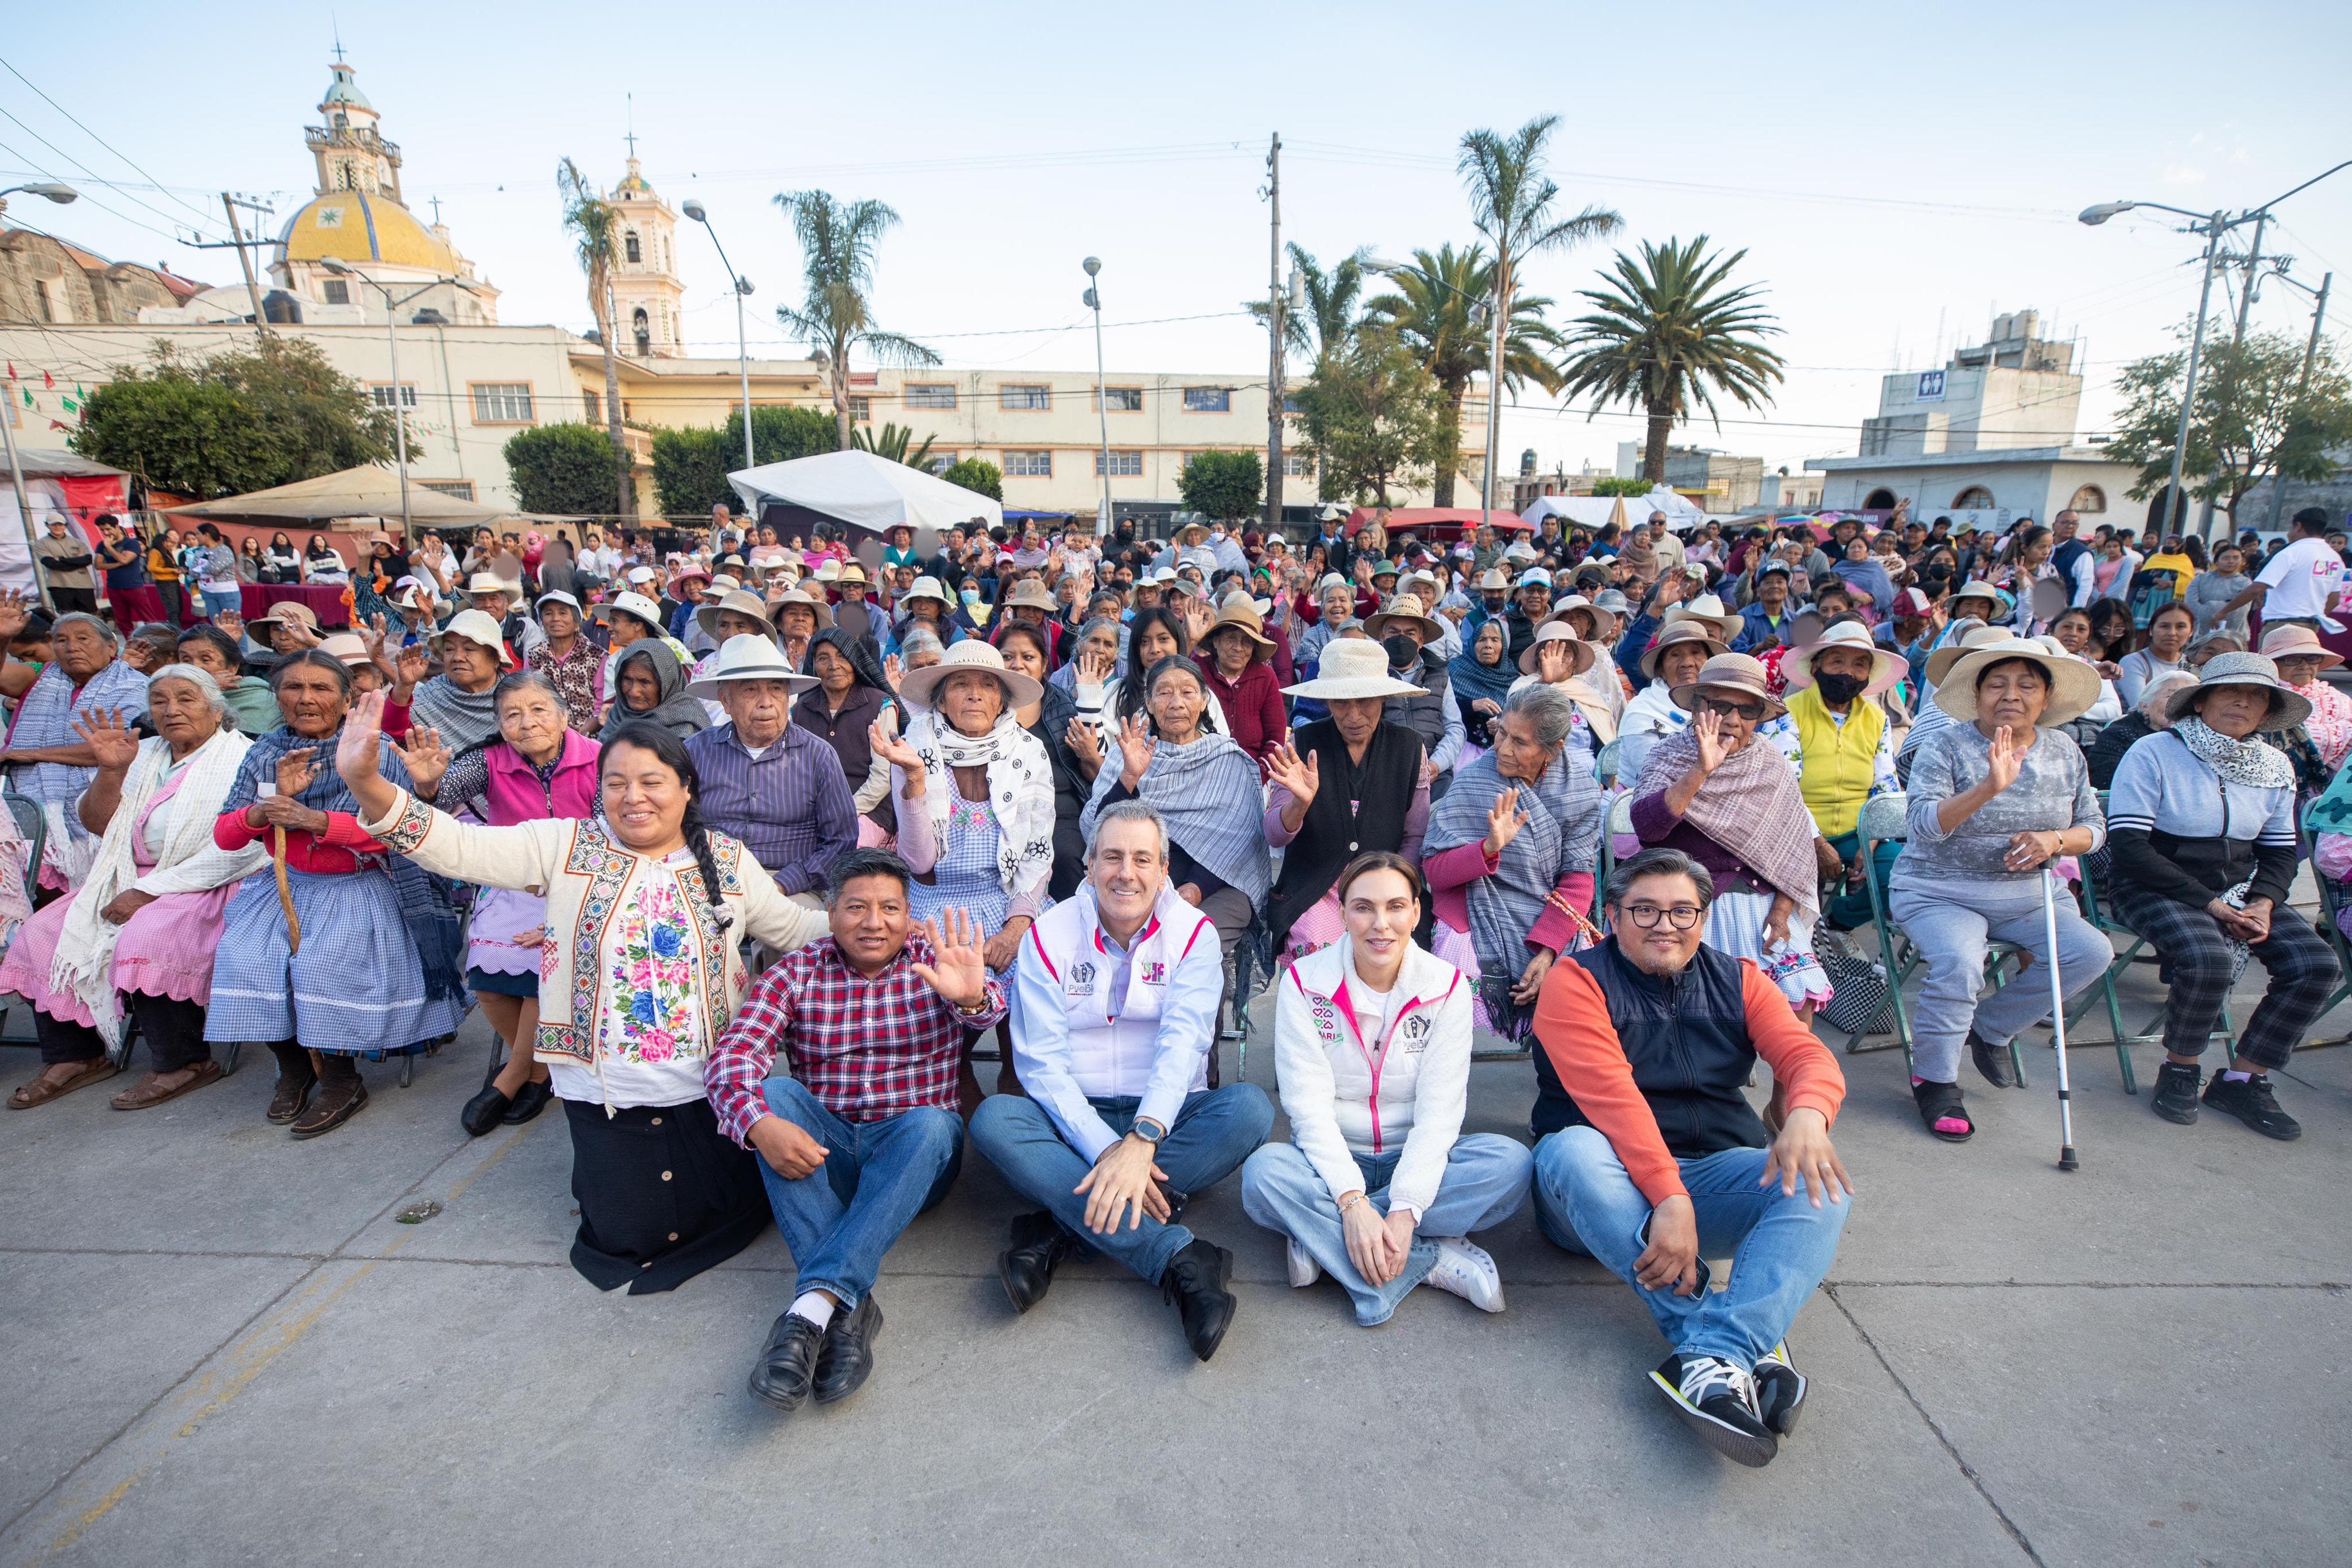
{"x": 814, "y": 1305}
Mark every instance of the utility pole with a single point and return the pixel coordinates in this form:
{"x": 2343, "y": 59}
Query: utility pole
{"x": 1275, "y": 327}
{"x": 1093, "y": 298}
{"x": 2174, "y": 503}
{"x": 2302, "y": 386}
{"x": 252, "y": 289}
{"x": 25, "y": 518}
{"x": 2237, "y": 339}
{"x": 1502, "y": 308}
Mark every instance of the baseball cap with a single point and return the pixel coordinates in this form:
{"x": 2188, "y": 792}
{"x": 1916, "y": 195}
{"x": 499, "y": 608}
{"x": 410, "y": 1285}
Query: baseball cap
{"x": 1534, "y": 576}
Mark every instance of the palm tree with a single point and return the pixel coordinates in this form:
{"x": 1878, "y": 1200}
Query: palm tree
{"x": 1439, "y": 311}
{"x": 837, "y": 241}
{"x": 1324, "y": 328}
{"x": 1668, "y": 337}
{"x": 595, "y": 228}
{"x": 1512, "y": 204}
{"x": 892, "y": 443}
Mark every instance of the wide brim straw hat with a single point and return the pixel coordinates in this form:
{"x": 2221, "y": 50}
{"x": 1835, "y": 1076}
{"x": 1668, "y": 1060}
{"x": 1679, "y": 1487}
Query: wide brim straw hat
{"x": 491, "y": 583}
{"x": 1581, "y": 654}
{"x": 1731, "y": 672}
{"x": 918, "y": 686}
{"x": 1495, "y": 580}
{"x": 1351, "y": 667}
{"x": 2298, "y": 643}
{"x": 791, "y": 596}
{"x": 1681, "y": 633}
{"x": 748, "y": 657}
{"x": 1942, "y": 660}
{"x": 474, "y": 627}
{"x": 929, "y": 588}
{"x": 1404, "y": 607}
{"x": 1708, "y": 609}
{"x": 348, "y": 646}
{"x": 1239, "y": 611}
{"x": 2287, "y": 709}
{"x": 2075, "y": 687}
{"x": 1191, "y": 533}
{"x": 1032, "y": 594}
{"x": 742, "y": 601}
{"x": 1887, "y": 667}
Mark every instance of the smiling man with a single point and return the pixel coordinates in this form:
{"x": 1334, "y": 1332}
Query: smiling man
{"x": 777, "y": 789}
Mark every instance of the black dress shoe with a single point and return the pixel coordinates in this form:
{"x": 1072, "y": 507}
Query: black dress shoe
{"x": 534, "y": 1098}
{"x": 1039, "y": 1245}
{"x": 787, "y": 1363}
{"x": 484, "y": 1112}
{"x": 1992, "y": 1061}
{"x": 847, "y": 1356}
{"x": 1195, "y": 1281}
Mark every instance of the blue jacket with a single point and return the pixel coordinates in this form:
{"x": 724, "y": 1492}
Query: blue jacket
{"x": 1759, "y": 629}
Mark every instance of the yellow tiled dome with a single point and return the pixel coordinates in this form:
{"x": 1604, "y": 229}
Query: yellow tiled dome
{"x": 352, "y": 226}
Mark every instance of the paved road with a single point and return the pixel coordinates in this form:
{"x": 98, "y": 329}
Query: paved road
{"x": 223, "y": 1348}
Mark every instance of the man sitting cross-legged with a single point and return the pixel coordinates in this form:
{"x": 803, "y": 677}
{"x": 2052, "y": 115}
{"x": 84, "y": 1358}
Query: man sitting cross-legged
{"x": 1650, "y": 1159}
{"x": 1114, "y": 1015}
{"x": 865, "y": 1134}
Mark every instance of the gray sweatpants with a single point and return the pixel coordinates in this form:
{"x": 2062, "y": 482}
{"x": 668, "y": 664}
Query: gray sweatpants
{"x": 1951, "y": 922}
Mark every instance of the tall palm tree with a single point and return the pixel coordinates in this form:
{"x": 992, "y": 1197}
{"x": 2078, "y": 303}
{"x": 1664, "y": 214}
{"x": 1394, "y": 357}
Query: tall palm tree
{"x": 1514, "y": 204}
{"x": 596, "y": 227}
{"x": 1439, "y": 311}
{"x": 1324, "y": 328}
{"x": 837, "y": 241}
{"x": 1668, "y": 336}
{"x": 896, "y": 443}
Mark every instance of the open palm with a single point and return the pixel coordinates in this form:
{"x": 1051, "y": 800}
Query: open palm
{"x": 957, "y": 971}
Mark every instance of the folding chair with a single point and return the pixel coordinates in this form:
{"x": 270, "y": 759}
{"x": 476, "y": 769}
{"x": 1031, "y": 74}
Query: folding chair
{"x": 1604, "y": 766}
{"x": 35, "y": 827}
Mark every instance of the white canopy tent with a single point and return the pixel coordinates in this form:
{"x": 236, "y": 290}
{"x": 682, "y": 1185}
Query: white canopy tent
{"x": 866, "y": 492}
{"x": 1594, "y": 511}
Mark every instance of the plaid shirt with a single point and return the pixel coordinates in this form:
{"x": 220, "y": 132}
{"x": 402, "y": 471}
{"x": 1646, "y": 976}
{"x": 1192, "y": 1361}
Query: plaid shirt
{"x": 868, "y": 1050}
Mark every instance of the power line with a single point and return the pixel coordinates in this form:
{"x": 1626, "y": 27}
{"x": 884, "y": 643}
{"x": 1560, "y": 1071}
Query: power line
{"x": 92, "y": 173}
{"x": 94, "y": 136}
{"x": 93, "y": 201}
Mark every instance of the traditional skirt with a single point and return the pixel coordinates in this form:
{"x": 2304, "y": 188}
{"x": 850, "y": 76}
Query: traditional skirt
{"x": 1735, "y": 925}
{"x": 356, "y": 986}
{"x": 164, "y": 950}
{"x": 663, "y": 1195}
{"x": 495, "y": 962}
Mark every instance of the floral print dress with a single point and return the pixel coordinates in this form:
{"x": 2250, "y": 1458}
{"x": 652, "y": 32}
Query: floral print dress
{"x": 650, "y": 1045}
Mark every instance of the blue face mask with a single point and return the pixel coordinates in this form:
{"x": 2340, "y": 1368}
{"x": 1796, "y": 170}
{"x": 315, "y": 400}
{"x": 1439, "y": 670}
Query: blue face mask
{"x": 972, "y": 596}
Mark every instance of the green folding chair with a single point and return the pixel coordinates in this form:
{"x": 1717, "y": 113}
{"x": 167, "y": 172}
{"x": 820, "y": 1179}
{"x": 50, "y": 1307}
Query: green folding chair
{"x": 2331, "y": 905}
{"x": 1604, "y": 766}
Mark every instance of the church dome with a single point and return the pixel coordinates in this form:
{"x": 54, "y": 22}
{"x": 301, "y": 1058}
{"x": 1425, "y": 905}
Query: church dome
{"x": 350, "y": 225}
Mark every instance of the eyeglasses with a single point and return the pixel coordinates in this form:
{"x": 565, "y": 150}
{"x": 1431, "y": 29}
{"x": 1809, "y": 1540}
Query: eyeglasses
{"x": 1682, "y": 916}
{"x": 1752, "y": 712}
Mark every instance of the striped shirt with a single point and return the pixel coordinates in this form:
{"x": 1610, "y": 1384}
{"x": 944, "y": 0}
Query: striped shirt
{"x": 790, "y": 807}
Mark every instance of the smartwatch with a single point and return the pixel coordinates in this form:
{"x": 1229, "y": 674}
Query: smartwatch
{"x": 1149, "y": 1131}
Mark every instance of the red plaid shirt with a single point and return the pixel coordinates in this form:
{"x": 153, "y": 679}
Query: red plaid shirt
{"x": 867, "y": 1049}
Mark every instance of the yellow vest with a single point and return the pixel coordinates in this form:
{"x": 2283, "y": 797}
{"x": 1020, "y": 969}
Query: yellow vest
{"x": 1839, "y": 758}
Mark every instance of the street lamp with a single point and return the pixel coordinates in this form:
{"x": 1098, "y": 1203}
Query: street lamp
{"x": 1093, "y": 298}
{"x": 60, "y": 194}
{"x": 742, "y": 288}
{"x": 341, "y": 268}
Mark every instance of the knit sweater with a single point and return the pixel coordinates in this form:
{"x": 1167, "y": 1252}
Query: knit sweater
{"x": 2051, "y": 792}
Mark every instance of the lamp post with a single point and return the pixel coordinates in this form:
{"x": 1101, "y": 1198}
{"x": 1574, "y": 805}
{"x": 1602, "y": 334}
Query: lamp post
{"x": 61, "y": 194}
{"x": 742, "y": 288}
{"x": 1093, "y": 298}
{"x": 341, "y": 268}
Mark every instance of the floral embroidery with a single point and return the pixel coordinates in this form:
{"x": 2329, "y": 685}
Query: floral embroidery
{"x": 653, "y": 977}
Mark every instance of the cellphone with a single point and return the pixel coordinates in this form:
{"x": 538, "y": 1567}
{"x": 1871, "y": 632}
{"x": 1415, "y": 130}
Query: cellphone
{"x": 1705, "y": 1273}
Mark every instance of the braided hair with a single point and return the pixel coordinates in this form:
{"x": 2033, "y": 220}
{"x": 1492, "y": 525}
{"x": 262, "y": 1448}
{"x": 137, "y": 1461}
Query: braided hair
{"x": 648, "y": 736}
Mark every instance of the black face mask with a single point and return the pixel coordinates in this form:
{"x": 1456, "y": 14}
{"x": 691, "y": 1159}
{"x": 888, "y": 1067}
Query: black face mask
{"x": 1403, "y": 651}
{"x": 1839, "y": 690}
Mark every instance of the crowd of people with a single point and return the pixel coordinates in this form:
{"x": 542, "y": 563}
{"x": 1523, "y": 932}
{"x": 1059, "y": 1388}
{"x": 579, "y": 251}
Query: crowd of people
{"x": 748, "y": 848}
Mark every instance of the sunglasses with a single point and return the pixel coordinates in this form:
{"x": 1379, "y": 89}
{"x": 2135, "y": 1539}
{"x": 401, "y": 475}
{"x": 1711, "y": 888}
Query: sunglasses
{"x": 1752, "y": 712}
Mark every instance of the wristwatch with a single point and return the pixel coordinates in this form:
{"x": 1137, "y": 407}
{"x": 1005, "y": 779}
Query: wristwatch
{"x": 1149, "y": 1131}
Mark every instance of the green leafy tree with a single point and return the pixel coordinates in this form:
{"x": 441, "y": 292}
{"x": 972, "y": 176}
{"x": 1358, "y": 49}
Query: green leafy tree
{"x": 691, "y": 469}
{"x": 1669, "y": 334}
{"x": 779, "y": 434}
{"x": 2256, "y": 416}
{"x": 1223, "y": 485}
{"x": 1621, "y": 486}
{"x": 1331, "y": 313}
{"x": 595, "y": 227}
{"x": 837, "y": 243}
{"x": 569, "y": 470}
{"x": 896, "y": 443}
{"x": 242, "y": 420}
{"x": 976, "y": 474}
{"x": 1374, "y": 418}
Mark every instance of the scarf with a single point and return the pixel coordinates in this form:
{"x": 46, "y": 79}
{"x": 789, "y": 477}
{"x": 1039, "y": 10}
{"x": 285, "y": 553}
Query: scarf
{"x": 858, "y": 651}
{"x": 680, "y": 715}
{"x": 46, "y": 717}
{"x": 188, "y": 862}
{"x": 463, "y": 719}
{"x": 1639, "y": 557}
{"x": 1473, "y": 679}
{"x": 1751, "y": 806}
{"x": 1019, "y": 791}
{"x": 1562, "y": 835}
{"x": 1207, "y": 791}
{"x": 2248, "y": 762}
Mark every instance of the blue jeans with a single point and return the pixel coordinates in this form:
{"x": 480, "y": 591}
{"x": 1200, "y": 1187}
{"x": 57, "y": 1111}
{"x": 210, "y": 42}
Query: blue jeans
{"x": 841, "y": 1217}
{"x": 1780, "y": 1245}
{"x": 1485, "y": 1181}
{"x": 1215, "y": 1131}
{"x": 232, "y": 601}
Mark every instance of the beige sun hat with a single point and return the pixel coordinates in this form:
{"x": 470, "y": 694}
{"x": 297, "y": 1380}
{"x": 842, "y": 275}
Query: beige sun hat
{"x": 1239, "y": 610}
{"x": 474, "y": 627}
{"x": 2297, "y": 643}
{"x": 1404, "y": 607}
{"x": 929, "y": 588}
{"x": 295, "y": 614}
{"x": 1707, "y": 609}
{"x": 742, "y": 601}
{"x": 1351, "y": 667}
{"x": 1191, "y": 533}
{"x": 2287, "y": 709}
{"x": 919, "y": 686}
{"x": 1731, "y": 672}
{"x": 635, "y": 604}
{"x": 1887, "y": 667}
{"x": 491, "y": 582}
{"x": 806, "y": 600}
{"x": 1029, "y": 593}
{"x": 1495, "y": 580}
{"x": 1978, "y": 635}
{"x": 1580, "y": 652}
{"x": 748, "y": 657}
{"x": 2075, "y": 687}
{"x": 348, "y": 646}
{"x": 1681, "y": 633}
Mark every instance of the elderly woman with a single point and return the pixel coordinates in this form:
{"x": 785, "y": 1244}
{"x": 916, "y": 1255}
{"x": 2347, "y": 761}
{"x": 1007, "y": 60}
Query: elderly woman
{"x": 2168, "y": 632}
{"x": 143, "y": 927}
{"x": 1378, "y": 1184}
{"x": 1557, "y": 657}
{"x": 252, "y": 709}
{"x": 649, "y": 684}
{"x": 1236, "y": 660}
{"x": 2205, "y": 844}
{"x": 1092, "y": 671}
{"x": 1674, "y": 660}
{"x": 850, "y": 697}
{"x": 2295, "y": 649}
{"x": 1053, "y": 718}
{"x": 1156, "y": 634}
{"x": 46, "y": 758}
{"x": 1994, "y": 801}
{"x": 538, "y": 770}
{"x": 1734, "y": 805}
{"x": 1510, "y": 855}
{"x": 1350, "y": 784}
{"x": 1481, "y": 678}
{"x": 2153, "y": 716}
{"x": 457, "y": 704}
{"x": 379, "y": 971}
{"x": 574, "y": 663}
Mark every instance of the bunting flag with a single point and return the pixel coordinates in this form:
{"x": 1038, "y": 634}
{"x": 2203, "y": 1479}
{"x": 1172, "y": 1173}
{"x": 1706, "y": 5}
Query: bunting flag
{"x": 49, "y": 380}
{"x": 55, "y": 425}
{"x": 28, "y": 396}
{"x": 12, "y": 369}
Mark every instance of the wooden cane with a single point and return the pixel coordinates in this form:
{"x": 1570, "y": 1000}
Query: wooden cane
{"x": 285, "y": 893}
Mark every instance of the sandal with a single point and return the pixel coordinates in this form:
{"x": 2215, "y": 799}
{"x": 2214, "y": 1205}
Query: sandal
{"x": 148, "y": 1091}
{"x": 40, "y": 1091}
{"x": 1939, "y": 1105}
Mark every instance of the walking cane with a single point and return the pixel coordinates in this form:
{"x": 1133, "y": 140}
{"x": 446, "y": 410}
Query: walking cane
{"x": 2066, "y": 1161}
{"x": 266, "y": 787}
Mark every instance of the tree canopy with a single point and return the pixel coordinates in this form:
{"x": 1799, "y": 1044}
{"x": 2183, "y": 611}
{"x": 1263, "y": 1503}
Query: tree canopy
{"x": 977, "y": 474}
{"x": 691, "y": 465}
{"x": 569, "y": 470}
{"x": 2255, "y": 417}
{"x": 1374, "y": 417}
{"x": 1223, "y": 485}
{"x": 836, "y": 315}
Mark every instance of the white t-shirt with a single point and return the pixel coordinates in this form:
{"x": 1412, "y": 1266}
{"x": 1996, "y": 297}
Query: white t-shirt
{"x": 2300, "y": 578}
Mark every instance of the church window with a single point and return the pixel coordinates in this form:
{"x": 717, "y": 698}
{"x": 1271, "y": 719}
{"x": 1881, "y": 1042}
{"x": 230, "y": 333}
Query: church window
{"x": 337, "y": 291}
{"x": 633, "y": 250}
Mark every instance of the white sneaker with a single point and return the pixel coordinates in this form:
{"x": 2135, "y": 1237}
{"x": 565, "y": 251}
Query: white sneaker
{"x": 1304, "y": 1269}
{"x": 1468, "y": 1270}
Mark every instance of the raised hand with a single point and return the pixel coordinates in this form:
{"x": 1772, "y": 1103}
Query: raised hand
{"x": 231, "y": 623}
{"x": 892, "y": 670}
{"x": 1503, "y": 820}
{"x": 15, "y": 608}
{"x": 358, "y": 749}
{"x": 297, "y": 768}
{"x": 108, "y": 738}
{"x": 2004, "y": 758}
{"x": 1135, "y": 746}
{"x": 1707, "y": 730}
{"x": 956, "y": 972}
{"x": 1094, "y": 667}
{"x": 895, "y": 750}
{"x": 411, "y": 667}
{"x": 425, "y": 758}
{"x": 1302, "y": 776}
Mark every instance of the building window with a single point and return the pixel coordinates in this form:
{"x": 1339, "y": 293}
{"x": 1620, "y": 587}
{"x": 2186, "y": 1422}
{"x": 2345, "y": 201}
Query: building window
{"x": 462, "y": 489}
{"x": 1297, "y": 465}
{"x": 1024, "y": 397}
{"x": 1128, "y": 465}
{"x": 382, "y": 394}
{"x": 1190, "y": 458}
{"x": 861, "y": 409}
{"x": 2089, "y": 498}
{"x": 636, "y": 253}
{"x": 1123, "y": 399}
{"x": 501, "y": 403}
{"x": 1290, "y": 402}
{"x": 1029, "y": 465}
{"x": 1208, "y": 400}
{"x": 337, "y": 291}
{"x": 1975, "y": 499}
{"x": 595, "y": 403}
{"x": 1879, "y": 501}
{"x": 939, "y": 462}
{"x": 931, "y": 394}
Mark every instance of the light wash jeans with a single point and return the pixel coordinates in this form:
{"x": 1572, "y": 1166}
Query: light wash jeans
{"x": 232, "y": 601}
{"x": 1951, "y": 922}
{"x": 1215, "y": 1131}
{"x": 841, "y": 1217}
{"x": 1485, "y": 1181}
{"x": 1780, "y": 1245}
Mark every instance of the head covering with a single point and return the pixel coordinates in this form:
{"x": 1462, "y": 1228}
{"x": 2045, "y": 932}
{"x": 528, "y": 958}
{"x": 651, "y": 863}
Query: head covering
{"x": 1978, "y": 635}
{"x": 634, "y": 604}
{"x": 1405, "y": 607}
{"x": 1468, "y": 679}
{"x": 1020, "y": 777}
{"x": 929, "y": 588}
{"x": 791, "y": 596}
{"x": 292, "y": 613}
{"x": 1731, "y": 672}
{"x": 1580, "y": 654}
{"x": 1887, "y": 667}
{"x": 680, "y": 714}
{"x": 1708, "y": 610}
{"x": 474, "y": 627}
{"x": 491, "y": 582}
{"x": 859, "y": 650}
{"x": 1239, "y": 610}
{"x": 2000, "y": 600}
{"x": 555, "y": 597}
{"x": 1534, "y": 576}
{"x": 2075, "y": 687}
{"x": 1681, "y": 633}
{"x": 747, "y": 657}
{"x": 2297, "y": 643}
{"x": 1750, "y": 804}
{"x": 1494, "y": 579}
{"x": 920, "y": 686}
{"x": 1029, "y": 593}
{"x": 1352, "y": 667}
{"x": 2287, "y": 709}
{"x": 741, "y": 602}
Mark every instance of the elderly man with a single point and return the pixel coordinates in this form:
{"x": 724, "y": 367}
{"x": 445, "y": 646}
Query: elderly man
{"x": 502, "y": 600}
{"x": 777, "y": 789}
{"x": 1765, "y": 621}
{"x": 1530, "y": 607}
{"x": 863, "y": 1135}
{"x": 859, "y": 615}
{"x": 1114, "y": 1015}
{"x": 1650, "y": 1158}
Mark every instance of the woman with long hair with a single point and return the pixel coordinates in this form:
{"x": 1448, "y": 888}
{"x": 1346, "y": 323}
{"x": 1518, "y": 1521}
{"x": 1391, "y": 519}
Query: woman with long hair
{"x": 322, "y": 562}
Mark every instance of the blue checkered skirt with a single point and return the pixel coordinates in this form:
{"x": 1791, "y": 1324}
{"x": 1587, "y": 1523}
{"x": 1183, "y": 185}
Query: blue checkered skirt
{"x": 357, "y": 985}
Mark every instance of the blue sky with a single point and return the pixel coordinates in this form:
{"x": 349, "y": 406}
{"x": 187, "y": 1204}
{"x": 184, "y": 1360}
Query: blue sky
{"x": 1888, "y": 169}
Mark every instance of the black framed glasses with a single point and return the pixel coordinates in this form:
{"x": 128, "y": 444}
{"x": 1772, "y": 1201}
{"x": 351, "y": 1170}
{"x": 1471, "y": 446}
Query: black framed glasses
{"x": 1681, "y": 916}
{"x": 1752, "y": 712}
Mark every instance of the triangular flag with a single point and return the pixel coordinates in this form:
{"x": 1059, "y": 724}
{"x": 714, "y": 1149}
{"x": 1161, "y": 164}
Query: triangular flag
{"x": 28, "y": 396}
{"x": 49, "y": 380}
{"x": 68, "y": 405}
{"x": 12, "y": 369}
{"x": 56, "y": 425}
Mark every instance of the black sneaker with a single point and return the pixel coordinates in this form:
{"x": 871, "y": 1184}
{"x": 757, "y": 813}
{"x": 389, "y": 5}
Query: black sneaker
{"x": 2253, "y": 1103}
{"x": 846, "y": 1358}
{"x": 1195, "y": 1281}
{"x": 1780, "y": 1389}
{"x": 1716, "y": 1399}
{"x": 2176, "y": 1091}
{"x": 787, "y": 1363}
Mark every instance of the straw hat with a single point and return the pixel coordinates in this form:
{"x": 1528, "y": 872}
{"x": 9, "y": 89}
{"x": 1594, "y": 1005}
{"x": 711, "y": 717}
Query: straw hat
{"x": 748, "y": 657}
{"x": 293, "y": 614}
{"x": 929, "y": 588}
{"x": 491, "y": 583}
{"x": 742, "y": 601}
{"x": 1191, "y": 533}
{"x": 1032, "y": 594}
{"x": 1886, "y": 666}
{"x": 476, "y": 628}
{"x": 1731, "y": 672}
{"x": 791, "y": 596}
{"x": 919, "y": 686}
{"x": 1580, "y": 652}
{"x": 2287, "y": 710}
{"x": 2075, "y": 687}
{"x": 1680, "y": 633}
{"x": 852, "y": 572}
{"x": 1238, "y": 611}
{"x": 2297, "y": 643}
{"x": 2000, "y": 600}
{"x": 635, "y": 604}
{"x": 1352, "y": 667}
{"x": 1494, "y": 579}
{"x": 1404, "y": 608}
{"x": 1708, "y": 610}
{"x": 1940, "y": 662}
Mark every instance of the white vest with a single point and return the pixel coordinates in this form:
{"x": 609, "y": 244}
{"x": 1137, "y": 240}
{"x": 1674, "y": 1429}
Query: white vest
{"x": 1113, "y": 1041}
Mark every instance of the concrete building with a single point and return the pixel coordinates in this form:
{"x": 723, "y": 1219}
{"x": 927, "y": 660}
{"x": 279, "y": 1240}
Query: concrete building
{"x": 44, "y": 278}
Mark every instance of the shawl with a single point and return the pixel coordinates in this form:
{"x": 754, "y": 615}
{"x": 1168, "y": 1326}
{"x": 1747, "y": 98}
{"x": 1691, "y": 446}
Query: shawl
{"x": 190, "y": 863}
{"x": 1473, "y": 679}
{"x": 1019, "y": 791}
{"x": 463, "y": 719}
{"x": 1639, "y": 557}
{"x": 45, "y": 717}
{"x": 2332, "y": 813}
{"x": 1751, "y": 806}
{"x": 1562, "y": 835}
{"x": 1207, "y": 791}
{"x": 858, "y": 651}
{"x": 680, "y": 715}
{"x": 2248, "y": 762}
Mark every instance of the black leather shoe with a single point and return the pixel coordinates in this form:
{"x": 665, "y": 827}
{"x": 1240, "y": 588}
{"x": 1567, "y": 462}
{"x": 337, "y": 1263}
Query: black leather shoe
{"x": 847, "y": 1356}
{"x": 535, "y": 1097}
{"x": 1039, "y": 1245}
{"x": 1195, "y": 1281}
{"x": 484, "y": 1112}
{"x": 2175, "y": 1099}
{"x": 787, "y": 1363}
{"x": 1992, "y": 1061}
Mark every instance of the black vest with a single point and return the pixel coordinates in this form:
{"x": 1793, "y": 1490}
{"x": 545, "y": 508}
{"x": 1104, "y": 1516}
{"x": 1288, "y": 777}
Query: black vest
{"x": 2063, "y": 559}
{"x": 1331, "y": 835}
{"x": 1424, "y": 713}
{"x": 1686, "y": 1038}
